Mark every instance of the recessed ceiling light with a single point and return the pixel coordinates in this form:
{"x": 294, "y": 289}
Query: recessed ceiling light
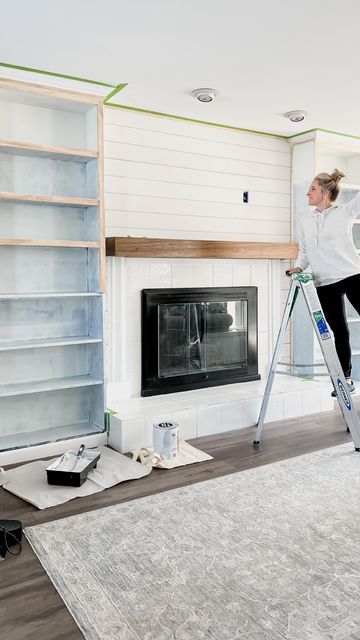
{"x": 204, "y": 95}
{"x": 295, "y": 116}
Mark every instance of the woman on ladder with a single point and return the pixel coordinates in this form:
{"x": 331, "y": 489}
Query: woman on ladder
{"x": 327, "y": 247}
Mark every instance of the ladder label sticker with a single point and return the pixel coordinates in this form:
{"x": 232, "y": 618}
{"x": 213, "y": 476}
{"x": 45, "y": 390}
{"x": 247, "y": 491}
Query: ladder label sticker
{"x": 321, "y": 325}
{"x": 344, "y": 394}
{"x": 312, "y": 296}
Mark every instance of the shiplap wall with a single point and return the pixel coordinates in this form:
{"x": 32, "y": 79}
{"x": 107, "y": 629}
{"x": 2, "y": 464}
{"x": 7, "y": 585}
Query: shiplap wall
{"x": 175, "y": 179}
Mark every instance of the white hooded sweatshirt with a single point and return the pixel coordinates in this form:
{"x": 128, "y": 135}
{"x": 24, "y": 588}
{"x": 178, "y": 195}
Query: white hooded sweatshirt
{"x": 326, "y": 243}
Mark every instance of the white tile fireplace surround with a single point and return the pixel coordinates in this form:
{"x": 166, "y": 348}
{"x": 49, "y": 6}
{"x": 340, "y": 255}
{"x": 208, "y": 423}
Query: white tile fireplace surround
{"x": 203, "y": 411}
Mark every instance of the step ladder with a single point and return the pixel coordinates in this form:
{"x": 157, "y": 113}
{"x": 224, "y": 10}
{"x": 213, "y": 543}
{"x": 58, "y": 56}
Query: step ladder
{"x": 305, "y": 282}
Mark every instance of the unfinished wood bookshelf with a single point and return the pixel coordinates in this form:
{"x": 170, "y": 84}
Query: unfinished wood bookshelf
{"x": 52, "y": 261}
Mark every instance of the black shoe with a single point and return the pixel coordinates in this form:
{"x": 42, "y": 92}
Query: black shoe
{"x": 350, "y": 386}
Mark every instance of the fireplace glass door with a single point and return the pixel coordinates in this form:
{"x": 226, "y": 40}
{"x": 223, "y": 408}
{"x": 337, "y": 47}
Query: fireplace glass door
{"x": 201, "y": 336}
{"x": 195, "y": 338}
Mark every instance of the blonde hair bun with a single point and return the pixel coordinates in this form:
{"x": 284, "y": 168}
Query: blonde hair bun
{"x": 337, "y": 175}
{"x": 330, "y": 182}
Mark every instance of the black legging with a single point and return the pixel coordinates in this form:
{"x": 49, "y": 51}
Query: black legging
{"x": 333, "y": 305}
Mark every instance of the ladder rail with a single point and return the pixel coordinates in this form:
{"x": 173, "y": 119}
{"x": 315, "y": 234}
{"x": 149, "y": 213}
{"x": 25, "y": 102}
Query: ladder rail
{"x": 332, "y": 361}
{"x": 305, "y": 284}
{"x": 292, "y": 295}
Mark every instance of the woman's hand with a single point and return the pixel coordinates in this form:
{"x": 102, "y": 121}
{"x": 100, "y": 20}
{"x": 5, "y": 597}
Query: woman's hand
{"x": 293, "y": 270}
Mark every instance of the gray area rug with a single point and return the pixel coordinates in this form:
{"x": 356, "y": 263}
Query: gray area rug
{"x": 264, "y": 554}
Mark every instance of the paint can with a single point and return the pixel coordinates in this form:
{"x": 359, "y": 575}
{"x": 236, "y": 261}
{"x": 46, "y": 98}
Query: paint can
{"x": 166, "y": 439}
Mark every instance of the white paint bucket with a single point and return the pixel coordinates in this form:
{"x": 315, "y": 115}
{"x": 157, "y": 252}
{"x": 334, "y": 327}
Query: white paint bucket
{"x": 166, "y": 439}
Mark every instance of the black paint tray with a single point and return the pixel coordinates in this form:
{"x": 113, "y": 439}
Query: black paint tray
{"x": 72, "y": 477}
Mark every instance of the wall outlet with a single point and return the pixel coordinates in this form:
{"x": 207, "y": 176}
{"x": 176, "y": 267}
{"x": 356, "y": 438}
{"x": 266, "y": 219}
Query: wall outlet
{"x": 245, "y": 197}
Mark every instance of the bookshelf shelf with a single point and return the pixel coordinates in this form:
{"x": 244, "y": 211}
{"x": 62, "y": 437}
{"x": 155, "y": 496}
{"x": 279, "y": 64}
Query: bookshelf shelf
{"x": 45, "y": 151}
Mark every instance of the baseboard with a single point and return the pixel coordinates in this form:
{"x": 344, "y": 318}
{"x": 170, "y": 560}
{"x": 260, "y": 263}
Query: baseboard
{"x": 50, "y": 449}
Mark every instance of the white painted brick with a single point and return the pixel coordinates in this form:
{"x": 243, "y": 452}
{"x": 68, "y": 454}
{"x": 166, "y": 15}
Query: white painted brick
{"x": 222, "y": 275}
{"x": 133, "y": 434}
{"x": 259, "y": 272}
{"x": 133, "y": 303}
{"x": 241, "y": 275}
{"x": 208, "y": 420}
{"x": 182, "y": 275}
{"x": 263, "y": 342}
{"x": 203, "y": 275}
{"x": 186, "y": 420}
{"x": 126, "y": 435}
{"x": 137, "y": 275}
{"x": 275, "y": 409}
{"x": 327, "y": 402}
{"x": 160, "y": 275}
{"x": 231, "y": 416}
{"x": 133, "y": 356}
{"x": 134, "y": 381}
{"x": 292, "y": 404}
{"x": 250, "y": 412}
{"x": 133, "y": 329}
{"x": 311, "y": 402}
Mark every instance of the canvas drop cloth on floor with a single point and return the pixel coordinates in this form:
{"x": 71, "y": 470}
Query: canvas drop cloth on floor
{"x": 187, "y": 455}
{"x": 29, "y": 481}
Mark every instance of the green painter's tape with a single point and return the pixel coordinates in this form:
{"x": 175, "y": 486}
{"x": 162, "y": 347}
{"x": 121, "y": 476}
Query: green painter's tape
{"x": 114, "y": 92}
{"x": 211, "y": 124}
{"x": 302, "y": 277}
{"x": 303, "y": 133}
{"x": 56, "y": 75}
{"x": 108, "y": 414}
{"x": 336, "y": 133}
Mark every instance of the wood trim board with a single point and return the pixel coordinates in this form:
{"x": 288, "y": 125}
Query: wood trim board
{"x": 45, "y": 90}
{"x": 220, "y": 249}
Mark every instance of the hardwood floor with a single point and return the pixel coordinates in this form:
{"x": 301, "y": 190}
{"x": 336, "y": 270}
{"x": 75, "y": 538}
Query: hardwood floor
{"x": 30, "y": 607}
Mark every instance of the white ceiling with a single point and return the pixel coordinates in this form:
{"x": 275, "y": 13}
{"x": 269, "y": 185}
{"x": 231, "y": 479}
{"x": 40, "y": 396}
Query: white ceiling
{"x": 263, "y": 57}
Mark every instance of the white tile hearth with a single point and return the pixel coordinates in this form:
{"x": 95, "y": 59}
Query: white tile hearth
{"x": 207, "y": 420}
{"x": 293, "y": 403}
{"x": 216, "y": 409}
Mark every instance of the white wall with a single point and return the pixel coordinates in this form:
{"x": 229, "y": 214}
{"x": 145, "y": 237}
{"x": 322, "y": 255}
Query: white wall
{"x": 174, "y": 179}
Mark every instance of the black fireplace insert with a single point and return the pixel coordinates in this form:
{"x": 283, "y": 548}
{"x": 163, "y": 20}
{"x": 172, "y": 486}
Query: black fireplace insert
{"x": 193, "y": 338}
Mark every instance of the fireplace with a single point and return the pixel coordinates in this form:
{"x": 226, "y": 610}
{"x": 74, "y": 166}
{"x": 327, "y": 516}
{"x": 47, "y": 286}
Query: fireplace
{"x": 193, "y": 338}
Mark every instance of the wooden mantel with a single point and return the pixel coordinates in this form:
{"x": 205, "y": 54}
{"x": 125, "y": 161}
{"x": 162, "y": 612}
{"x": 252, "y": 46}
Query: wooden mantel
{"x": 173, "y": 248}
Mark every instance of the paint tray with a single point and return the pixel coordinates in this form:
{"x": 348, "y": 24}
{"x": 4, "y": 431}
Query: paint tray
{"x": 70, "y": 470}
